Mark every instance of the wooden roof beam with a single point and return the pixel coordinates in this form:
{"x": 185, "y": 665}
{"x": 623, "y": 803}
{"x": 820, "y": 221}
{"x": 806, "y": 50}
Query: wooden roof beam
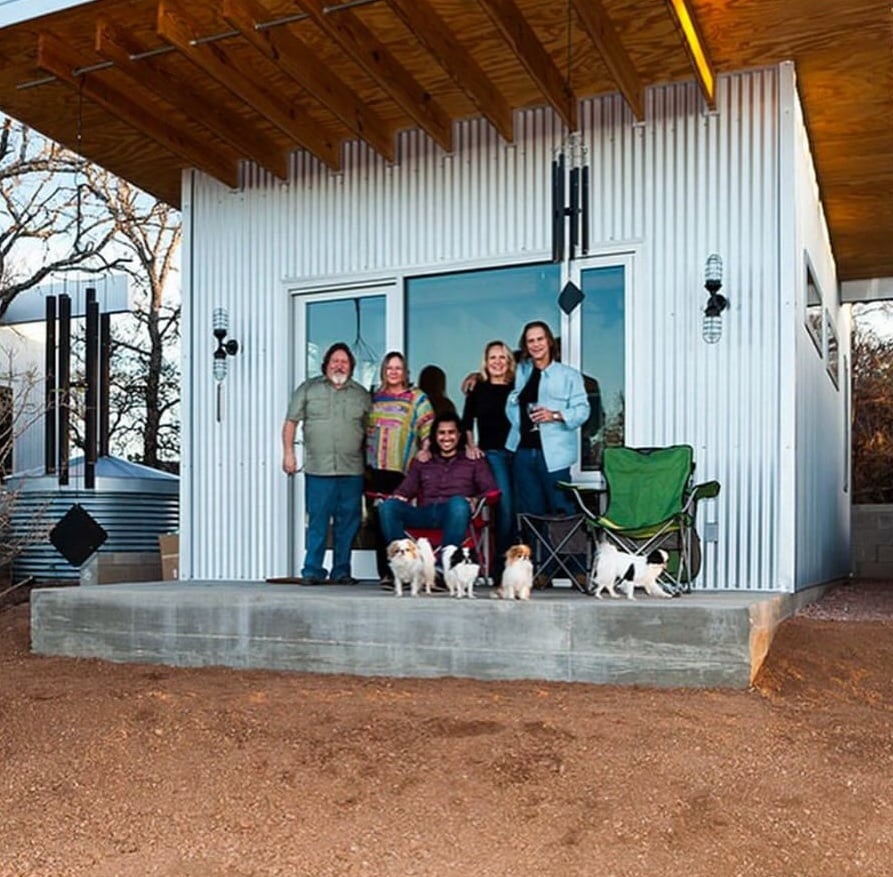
{"x": 432, "y": 32}
{"x": 601, "y": 30}
{"x": 357, "y": 41}
{"x": 296, "y": 59}
{"x": 119, "y": 46}
{"x": 56, "y": 56}
{"x": 696, "y": 48}
{"x": 177, "y": 28}
{"x": 538, "y": 63}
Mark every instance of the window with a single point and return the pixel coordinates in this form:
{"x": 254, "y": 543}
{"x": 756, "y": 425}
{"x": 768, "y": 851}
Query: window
{"x": 603, "y": 360}
{"x": 451, "y": 317}
{"x": 813, "y": 312}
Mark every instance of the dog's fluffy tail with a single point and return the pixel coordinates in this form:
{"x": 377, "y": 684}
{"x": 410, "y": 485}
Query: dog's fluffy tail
{"x": 426, "y": 552}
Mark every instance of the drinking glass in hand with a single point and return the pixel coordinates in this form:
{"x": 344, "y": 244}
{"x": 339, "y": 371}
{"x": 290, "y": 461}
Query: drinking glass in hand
{"x": 531, "y": 407}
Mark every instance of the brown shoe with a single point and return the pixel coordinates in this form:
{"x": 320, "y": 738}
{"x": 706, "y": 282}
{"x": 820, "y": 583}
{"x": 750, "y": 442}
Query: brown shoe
{"x": 541, "y": 582}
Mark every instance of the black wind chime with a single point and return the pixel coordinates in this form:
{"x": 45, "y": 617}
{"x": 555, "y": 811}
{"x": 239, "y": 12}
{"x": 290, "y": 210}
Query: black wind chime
{"x": 570, "y": 199}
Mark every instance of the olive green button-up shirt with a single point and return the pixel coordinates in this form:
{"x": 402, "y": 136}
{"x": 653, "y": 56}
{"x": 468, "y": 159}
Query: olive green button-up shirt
{"x": 334, "y": 425}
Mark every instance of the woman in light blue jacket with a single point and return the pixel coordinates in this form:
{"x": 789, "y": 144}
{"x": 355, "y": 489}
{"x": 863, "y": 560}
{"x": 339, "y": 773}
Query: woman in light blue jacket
{"x": 545, "y": 410}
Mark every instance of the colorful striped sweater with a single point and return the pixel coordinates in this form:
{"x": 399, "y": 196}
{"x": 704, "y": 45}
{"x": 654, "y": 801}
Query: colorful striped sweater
{"x": 397, "y": 426}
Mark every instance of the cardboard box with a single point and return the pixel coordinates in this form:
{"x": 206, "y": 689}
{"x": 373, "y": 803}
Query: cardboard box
{"x": 112, "y": 567}
{"x": 169, "y": 544}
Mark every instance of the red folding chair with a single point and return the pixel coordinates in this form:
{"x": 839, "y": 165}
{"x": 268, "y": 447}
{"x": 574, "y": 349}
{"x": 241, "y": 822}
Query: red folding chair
{"x": 480, "y": 534}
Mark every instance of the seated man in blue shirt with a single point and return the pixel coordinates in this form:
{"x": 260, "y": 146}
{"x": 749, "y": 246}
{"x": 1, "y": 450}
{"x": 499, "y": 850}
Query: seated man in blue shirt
{"x": 446, "y": 487}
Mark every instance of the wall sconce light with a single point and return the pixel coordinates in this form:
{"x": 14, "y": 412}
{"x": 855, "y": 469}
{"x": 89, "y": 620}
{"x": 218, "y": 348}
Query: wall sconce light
{"x": 716, "y": 303}
{"x": 220, "y": 322}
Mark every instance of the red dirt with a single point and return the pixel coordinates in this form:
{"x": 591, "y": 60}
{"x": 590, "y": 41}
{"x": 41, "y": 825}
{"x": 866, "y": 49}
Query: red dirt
{"x": 132, "y": 770}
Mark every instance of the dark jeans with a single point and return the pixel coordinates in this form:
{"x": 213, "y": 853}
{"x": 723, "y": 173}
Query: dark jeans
{"x": 382, "y": 481}
{"x": 451, "y": 517}
{"x": 335, "y": 498}
{"x": 501, "y": 465}
{"x": 536, "y": 490}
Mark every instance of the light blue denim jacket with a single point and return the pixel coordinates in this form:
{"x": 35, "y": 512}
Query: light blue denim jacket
{"x": 561, "y": 389}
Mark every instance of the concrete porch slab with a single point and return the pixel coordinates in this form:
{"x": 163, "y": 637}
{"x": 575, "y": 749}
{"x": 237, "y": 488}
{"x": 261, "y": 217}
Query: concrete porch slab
{"x": 705, "y": 639}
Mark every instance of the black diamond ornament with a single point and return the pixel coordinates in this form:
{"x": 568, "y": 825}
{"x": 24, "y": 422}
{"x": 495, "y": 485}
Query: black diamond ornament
{"x": 570, "y": 297}
{"x": 77, "y": 535}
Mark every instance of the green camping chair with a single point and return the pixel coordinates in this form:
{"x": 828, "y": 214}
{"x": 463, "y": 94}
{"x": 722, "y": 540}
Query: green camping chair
{"x": 651, "y": 505}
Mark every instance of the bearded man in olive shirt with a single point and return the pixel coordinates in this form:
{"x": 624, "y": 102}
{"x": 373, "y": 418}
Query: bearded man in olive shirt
{"x": 333, "y": 408}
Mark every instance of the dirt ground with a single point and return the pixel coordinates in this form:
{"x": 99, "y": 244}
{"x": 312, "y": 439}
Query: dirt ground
{"x": 131, "y": 770}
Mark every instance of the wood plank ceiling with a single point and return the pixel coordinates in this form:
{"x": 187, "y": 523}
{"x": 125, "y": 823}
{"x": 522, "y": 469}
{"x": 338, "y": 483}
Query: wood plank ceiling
{"x": 146, "y": 88}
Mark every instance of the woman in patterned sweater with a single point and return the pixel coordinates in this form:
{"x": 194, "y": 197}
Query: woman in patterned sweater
{"x": 398, "y": 428}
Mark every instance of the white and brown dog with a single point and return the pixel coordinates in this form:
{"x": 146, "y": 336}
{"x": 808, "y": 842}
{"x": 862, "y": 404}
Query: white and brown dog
{"x": 631, "y": 571}
{"x": 460, "y": 570}
{"x": 517, "y": 577}
{"x": 411, "y": 563}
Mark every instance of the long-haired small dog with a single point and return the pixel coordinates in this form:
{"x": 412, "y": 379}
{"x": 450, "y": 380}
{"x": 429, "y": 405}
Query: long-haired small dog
{"x": 517, "y": 577}
{"x": 631, "y": 571}
{"x": 411, "y": 563}
{"x": 460, "y": 570}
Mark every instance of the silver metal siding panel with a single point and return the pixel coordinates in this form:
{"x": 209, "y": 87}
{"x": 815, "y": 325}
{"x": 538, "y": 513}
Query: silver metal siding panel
{"x": 823, "y": 440}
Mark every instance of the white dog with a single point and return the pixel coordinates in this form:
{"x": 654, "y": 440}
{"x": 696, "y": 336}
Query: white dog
{"x": 460, "y": 570}
{"x": 630, "y": 570}
{"x": 517, "y": 578}
{"x": 413, "y": 563}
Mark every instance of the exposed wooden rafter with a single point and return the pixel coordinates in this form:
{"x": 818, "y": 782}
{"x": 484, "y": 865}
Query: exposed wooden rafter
{"x": 601, "y": 31}
{"x": 357, "y": 41}
{"x": 522, "y": 40}
{"x": 296, "y": 59}
{"x": 180, "y": 31}
{"x": 117, "y": 45}
{"x": 696, "y": 48}
{"x": 57, "y": 57}
{"x": 434, "y": 34}
{"x": 153, "y": 108}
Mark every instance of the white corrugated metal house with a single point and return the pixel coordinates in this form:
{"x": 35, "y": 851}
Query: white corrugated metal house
{"x": 438, "y": 236}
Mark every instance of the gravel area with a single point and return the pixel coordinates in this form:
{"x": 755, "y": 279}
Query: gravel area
{"x": 113, "y": 770}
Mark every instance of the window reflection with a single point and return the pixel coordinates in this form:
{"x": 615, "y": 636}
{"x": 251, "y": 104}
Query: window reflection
{"x": 603, "y": 363}
{"x": 358, "y": 322}
{"x": 451, "y": 317}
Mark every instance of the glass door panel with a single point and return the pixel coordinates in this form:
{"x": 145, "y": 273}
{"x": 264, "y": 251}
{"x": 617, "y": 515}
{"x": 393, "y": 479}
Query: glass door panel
{"x": 359, "y": 322}
{"x": 359, "y": 318}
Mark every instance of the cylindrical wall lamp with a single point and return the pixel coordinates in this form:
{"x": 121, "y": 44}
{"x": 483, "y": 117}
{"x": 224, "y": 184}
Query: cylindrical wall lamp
{"x": 220, "y": 322}
{"x": 711, "y": 330}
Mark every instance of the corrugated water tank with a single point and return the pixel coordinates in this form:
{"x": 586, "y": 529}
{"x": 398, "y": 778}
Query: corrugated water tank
{"x": 133, "y": 503}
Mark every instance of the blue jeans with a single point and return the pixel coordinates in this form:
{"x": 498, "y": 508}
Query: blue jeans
{"x": 451, "y": 517}
{"x": 335, "y": 498}
{"x": 501, "y": 465}
{"x": 536, "y": 490}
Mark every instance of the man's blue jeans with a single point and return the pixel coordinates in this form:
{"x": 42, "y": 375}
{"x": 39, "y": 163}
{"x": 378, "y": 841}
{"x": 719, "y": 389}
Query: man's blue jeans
{"x": 536, "y": 488}
{"x": 335, "y": 498}
{"x": 451, "y": 517}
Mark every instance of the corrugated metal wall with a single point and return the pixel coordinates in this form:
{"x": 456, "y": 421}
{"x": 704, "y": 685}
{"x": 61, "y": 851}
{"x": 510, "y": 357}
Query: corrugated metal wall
{"x": 671, "y": 190}
{"x": 822, "y": 449}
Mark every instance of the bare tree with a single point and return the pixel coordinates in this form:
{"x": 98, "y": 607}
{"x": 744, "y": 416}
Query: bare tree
{"x": 46, "y": 225}
{"x": 872, "y": 356}
{"x": 145, "y": 386}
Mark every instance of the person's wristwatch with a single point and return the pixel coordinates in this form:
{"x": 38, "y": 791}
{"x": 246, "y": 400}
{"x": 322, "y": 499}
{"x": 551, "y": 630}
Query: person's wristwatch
{"x": 556, "y": 415}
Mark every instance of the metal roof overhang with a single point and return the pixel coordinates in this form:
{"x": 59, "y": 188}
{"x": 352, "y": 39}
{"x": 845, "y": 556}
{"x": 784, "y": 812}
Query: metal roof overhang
{"x": 156, "y": 86}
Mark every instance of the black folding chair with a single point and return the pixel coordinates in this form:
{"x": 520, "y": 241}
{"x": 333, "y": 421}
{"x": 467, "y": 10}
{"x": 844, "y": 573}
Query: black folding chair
{"x": 562, "y": 546}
